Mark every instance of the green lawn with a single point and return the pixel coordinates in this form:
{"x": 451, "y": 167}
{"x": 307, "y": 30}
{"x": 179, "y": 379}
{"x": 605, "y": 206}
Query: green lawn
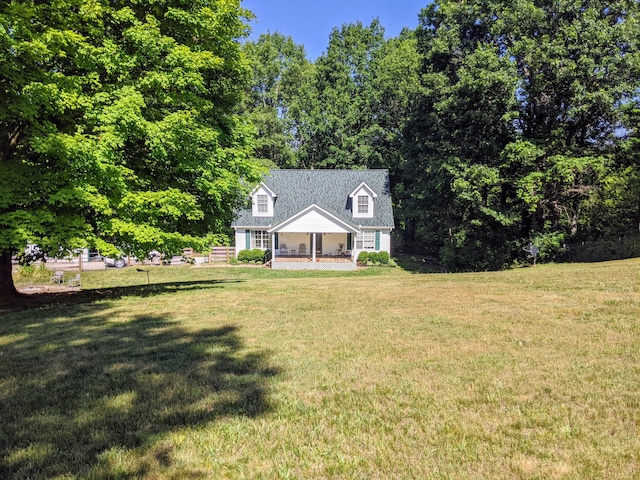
{"x": 382, "y": 373}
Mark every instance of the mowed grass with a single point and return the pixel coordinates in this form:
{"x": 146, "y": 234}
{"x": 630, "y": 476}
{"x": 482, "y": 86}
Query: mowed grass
{"x": 252, "y": 373}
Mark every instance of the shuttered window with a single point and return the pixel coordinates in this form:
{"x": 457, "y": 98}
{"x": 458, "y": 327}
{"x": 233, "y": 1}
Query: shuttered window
{"x": 260, "y": 239}
{"x": 366, "y": 240}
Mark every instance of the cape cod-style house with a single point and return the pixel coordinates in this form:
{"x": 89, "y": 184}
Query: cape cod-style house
{"x": 317, "y": 219}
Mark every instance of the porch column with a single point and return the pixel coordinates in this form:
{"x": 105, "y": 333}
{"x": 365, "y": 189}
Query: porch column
{"x": 313, "y": 248}
{"x": 273, "y": 247}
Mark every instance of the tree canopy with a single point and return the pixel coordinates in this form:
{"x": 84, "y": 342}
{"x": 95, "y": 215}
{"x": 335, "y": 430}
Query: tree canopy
{"x": 504, "y": 124}
{"x": 279, "y": 69}
{"x": 119, "y": 125}
{"x": 517, "y": 130}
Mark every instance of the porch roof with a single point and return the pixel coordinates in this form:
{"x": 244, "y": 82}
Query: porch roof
{"x": 314, "y": 219}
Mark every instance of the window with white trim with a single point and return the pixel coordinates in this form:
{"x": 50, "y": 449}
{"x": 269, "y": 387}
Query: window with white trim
{"x": 260, "y": 239}
{"x": 366, "y": 240}
{"x": 363, "y": 204}
{"x": 263, "y": 203}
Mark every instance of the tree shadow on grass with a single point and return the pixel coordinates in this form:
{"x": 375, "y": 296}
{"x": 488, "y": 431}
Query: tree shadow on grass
{"x": 69, "y": 296}
{"x": 75, "y": 388}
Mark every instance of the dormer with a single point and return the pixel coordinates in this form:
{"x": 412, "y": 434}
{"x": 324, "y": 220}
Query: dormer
{"x": 362, "y": 201}
{"x": 262, "y": 200}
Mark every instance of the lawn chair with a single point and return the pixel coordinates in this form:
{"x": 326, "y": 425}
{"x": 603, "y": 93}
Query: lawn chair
{"x": 302, "y": 249}
{"x": 57, "y": 277}
{"x": 75, "y": 281}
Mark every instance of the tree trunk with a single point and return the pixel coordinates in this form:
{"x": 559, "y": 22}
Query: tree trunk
{"x": 8, "y": 292}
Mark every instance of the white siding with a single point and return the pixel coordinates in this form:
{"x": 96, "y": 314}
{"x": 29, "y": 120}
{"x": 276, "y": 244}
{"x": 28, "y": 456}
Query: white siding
{"x": 313, "y": 221}
{"x": 240, "y": 240}
{"x": 254, "y": 203}
{"x": 331, "y": 241}
{"x": 354, "y": 204}
{"x": 385, "y": 241}
{"x": 293, "y": 241}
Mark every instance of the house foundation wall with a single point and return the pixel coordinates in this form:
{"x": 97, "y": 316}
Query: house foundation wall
{"x": 328, "y": 266}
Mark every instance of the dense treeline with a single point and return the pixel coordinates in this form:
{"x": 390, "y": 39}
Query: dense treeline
{"x": 130, "y": 126}
{"x": 504, "y": 124}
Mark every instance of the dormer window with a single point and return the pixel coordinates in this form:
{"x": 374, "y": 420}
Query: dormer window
{"x": 363, "y": 204}
{"x": 263, "y": 203}
{"x": 362, "y": 201}
{"x": 262, "y": 199}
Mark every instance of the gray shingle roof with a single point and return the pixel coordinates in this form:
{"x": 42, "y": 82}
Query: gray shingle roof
{"x": 329, "y": 190}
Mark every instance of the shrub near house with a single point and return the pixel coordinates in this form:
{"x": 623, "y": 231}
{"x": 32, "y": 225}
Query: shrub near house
{"x": 374, "y": 258}
{"x": 255, "y": 255}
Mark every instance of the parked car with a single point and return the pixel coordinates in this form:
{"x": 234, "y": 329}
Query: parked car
{"x": 94, "y": 256}
{"x": 121, "y": 261}
{"x": 118, "y": 262}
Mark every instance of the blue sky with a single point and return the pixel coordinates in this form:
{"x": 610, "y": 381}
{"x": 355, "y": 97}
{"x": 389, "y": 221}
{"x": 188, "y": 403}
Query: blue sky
{"x": 310, "y": 22}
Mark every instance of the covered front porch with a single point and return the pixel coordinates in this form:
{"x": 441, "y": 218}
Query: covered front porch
{"x": 313, "y": 240}
{"x": 312, "y": 251}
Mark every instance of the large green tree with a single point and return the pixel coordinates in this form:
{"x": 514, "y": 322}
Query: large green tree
{"x": 353, "y": 106}
{"x": 279, "y": 69}
{"x": 578, "y": 64}
{"x": 394, "y": 85}
{"x": 518, "y": 123}
{"x": 333, "y": 112}
{"x": 458, "y": 200}
{"x": 116, "y": 124}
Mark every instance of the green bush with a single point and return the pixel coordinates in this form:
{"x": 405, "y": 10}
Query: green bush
{"x": 26, "y": 271}
{"x": 252, "y": 256}
{"x": 549, "y": 246}
{"x": 258, "y": 255}
{"x": 363, "y": 257}
{"x": 384, "y": 257}
{"x": 373, "y": 258}
{"x": 245, "y": 256}
{"x": 603, "y": 249}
